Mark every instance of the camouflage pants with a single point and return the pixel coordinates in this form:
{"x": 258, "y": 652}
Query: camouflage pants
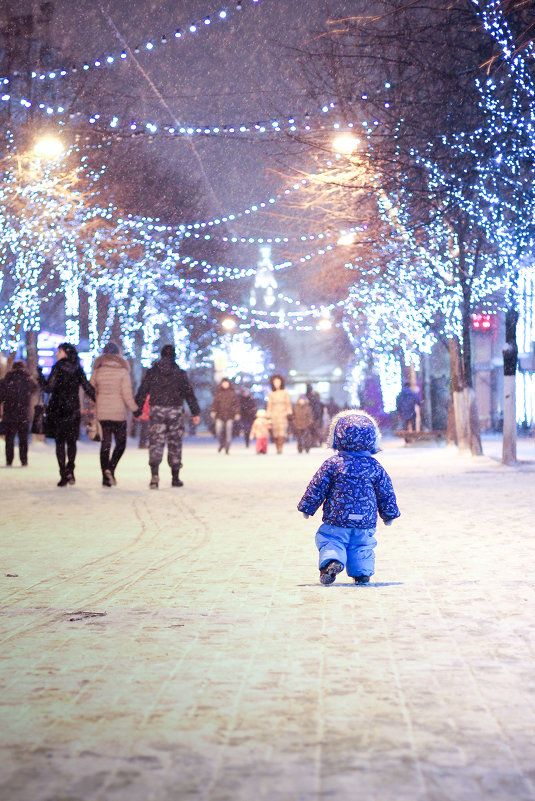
{"x": 166, "y": 424}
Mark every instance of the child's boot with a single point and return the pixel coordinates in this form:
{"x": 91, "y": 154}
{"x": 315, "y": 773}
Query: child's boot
{"x": 175, "y": 480}
{"x": 329, "y": 571}
{"x": 361, "y": 579}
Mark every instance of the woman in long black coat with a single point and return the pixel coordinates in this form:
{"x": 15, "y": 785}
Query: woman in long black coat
{"x": 63, "y": 410}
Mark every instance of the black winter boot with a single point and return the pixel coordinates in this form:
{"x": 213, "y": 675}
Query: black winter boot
{"x": 329, "y": 571}
{"x": 175, "y": 481}
{"x": 154, "y": 477}
{"x": 63, "y": 480}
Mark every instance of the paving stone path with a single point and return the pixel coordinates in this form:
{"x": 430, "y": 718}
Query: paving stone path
{"x": 170, "y": 645}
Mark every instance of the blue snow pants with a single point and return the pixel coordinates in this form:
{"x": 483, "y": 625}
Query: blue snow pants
{"x": 353, "y": 547}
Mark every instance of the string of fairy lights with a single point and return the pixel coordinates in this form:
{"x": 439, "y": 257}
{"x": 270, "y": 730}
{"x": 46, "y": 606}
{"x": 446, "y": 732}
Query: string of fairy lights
{"x": 149, "y": 46}
{"x": 111, "y": 123}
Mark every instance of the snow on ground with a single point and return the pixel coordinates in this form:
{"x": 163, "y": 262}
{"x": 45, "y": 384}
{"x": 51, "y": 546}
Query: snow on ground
{"x": 217, "y": 667}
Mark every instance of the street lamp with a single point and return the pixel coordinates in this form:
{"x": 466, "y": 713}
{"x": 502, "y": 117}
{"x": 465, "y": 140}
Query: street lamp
{"x": 346, "y": 238}
{"x": 345, "y": 144}
{"x": 48, "y": 147}
{"x": 228, "y": 324}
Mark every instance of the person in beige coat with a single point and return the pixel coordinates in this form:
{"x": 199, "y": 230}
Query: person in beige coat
{"x": 113, "y": 389}
{"x": 279, "y": 409}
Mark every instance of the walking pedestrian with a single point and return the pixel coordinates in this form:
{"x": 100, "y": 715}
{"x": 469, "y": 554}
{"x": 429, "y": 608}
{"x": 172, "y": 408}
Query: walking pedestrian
{"x": 279, "y": 409}
{"x": 224, "y": 411}
{"x": 168, "y": 386}
{"x": 247, "y": 413}
{"x": 353, "y": 487}
{"x": 63, "y": 411}
{"x": 16, "y": 389}
{"x": 302, "y": 421}
{"x": 260, "y": 431}
{"x": 408, "y": 406}
{"x": 113, "y": 388}
{"x": 316, "y": 407}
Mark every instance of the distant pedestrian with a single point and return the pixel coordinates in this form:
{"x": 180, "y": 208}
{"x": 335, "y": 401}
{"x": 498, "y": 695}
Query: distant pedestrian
{"x": 113, "y": 388}
{"x": 325, "y": 424}
{"x": 247, "y": 413}
{"x": 407, "y": 405}
{"x": 302, "y": 423}
{"x": 260, "y": 431}
{"x": 224, "y": 411}
{"x": 332, "y": 407}
{"x": 16, "y": 389}
{"x": 63, "y": 410}
{"x": 353, "y": 487}
{"x": 279, "y": 409}
{"x": 316, "y": 407}
{"x": 168, "y": 387}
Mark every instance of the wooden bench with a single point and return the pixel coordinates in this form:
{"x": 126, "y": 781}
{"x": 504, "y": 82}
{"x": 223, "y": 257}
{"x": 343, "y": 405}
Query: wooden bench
{"x": 421, "y": 436}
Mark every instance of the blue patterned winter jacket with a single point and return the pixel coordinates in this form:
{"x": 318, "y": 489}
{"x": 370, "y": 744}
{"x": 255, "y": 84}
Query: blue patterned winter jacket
{"x": 352, "y": 485}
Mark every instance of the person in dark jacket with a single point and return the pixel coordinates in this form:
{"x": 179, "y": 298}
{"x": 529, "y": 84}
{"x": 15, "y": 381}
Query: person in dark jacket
{"x": 168, "y": 387}
{"x": 16, "y": 389}
{"x": 247, "y": 413}
{"x": 316, "y": 407}
{"x": 353, "y": 487}
{"x": 224, "y": 411}
{"x": 63, "y": 409}
{"x": 406, "y": 403}
{"x": 302, "y": 423}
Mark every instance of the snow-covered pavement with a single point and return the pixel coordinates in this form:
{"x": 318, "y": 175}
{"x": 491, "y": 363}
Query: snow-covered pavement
{"x": 217, "y": 667}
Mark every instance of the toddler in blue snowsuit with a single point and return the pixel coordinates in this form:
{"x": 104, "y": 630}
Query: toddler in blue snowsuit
{"x": 353, "y": 487}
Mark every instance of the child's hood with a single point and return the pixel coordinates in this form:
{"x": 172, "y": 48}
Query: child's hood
{"x": 354, "y": 430}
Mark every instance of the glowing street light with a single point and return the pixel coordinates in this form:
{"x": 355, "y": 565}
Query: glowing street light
{"x": 48, "y": 147}
{"x": 345, "y": 144}
{"x": 228, "y": 324}
{"x": 324, "y": 324}
{"x": 346, "y": 238}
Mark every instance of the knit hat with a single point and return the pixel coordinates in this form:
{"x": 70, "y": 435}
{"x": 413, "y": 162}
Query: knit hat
{"x": 111, "y": 347}
{"x": 168, "y": 352}
{"x": 354, "y": 430}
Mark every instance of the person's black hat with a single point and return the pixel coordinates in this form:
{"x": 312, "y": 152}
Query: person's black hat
{"x": 111, "y": 347}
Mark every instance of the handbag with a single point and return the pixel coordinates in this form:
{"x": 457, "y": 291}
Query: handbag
{"x": 94, "y": 430}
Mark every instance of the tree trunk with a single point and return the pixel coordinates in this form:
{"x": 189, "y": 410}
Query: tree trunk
{"x": 473, "y": 421}
{"x": 510, "y": 356}
{"x": 462, "y": 434}
{"x": 426, "y": 400}
{"x": 451, "y": 434}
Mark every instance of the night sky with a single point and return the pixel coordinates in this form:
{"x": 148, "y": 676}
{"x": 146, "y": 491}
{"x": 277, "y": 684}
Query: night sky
{"x": 242, "y": 69}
